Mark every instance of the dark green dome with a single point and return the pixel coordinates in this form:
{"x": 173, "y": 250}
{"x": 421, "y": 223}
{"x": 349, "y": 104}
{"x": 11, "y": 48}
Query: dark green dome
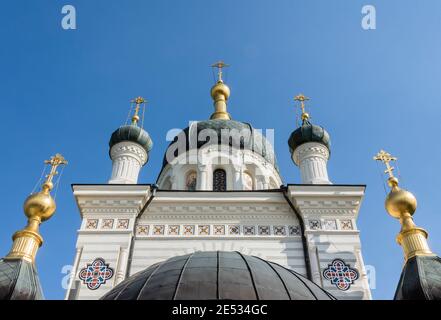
{"x": 309, "y": 132}
{"x": 252, "y": 139}
{"x": 217, "y": 275}
{"x": 132, "y": 133}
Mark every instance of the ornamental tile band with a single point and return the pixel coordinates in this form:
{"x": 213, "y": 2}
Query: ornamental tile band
{"x": 234, "y": 229}
{"x": 142, "y": 230}
{"x": 107, "y": 224}
{"x": 249, "y": 230}
{"x": 92, "y": 224}
{"x": 340, "y": 274}
{"x": 264, "y": 230}
{"x": 188, "y": 230}
{"x": 122, "y": 224}
{"x": 346, "y": 225}
{"x": 279, "y": 230}
{"x": 158, "y": 230}
{"x": 173, "y": 230}
{"x": 219, "y": 230}
{"x": 96, "y": 273}
{"x": 294, "y": 230}
{"x": 315, "y": 224}
{"x": 330, "y": 225}
{"x": 204, "y": 230}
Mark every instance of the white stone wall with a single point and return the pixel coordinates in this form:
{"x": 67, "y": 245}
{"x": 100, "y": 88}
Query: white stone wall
{"x": 234, "y": 161}
{"x": 330, "y": 214}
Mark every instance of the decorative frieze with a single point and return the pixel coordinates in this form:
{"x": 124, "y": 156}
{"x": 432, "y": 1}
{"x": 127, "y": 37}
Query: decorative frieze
{"x": 217, "y": 230}
{"x": 122, "y": 224}
{"x": 91, "y": 223}
{"x": 107, "y": 224}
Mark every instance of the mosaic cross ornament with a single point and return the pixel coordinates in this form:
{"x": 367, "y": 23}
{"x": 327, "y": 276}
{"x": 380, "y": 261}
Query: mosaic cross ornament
{"x": 96, "y": 274}
{"x": 340, "y": 274}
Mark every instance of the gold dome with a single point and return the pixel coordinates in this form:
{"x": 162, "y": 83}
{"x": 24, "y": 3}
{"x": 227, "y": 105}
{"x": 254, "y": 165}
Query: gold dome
{"x": 40, "y": 206}
{"x": 220, "y": 89}
{"x": 400, "y": 201}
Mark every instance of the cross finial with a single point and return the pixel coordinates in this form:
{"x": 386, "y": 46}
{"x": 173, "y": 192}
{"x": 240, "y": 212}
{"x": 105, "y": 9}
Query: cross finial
{"x": 386, "y": 158}
{"x": 138, "y": 101}
{"x": 219, "y": 65}
{"x": 54, "y": 161}
{"x": 302, "y": 98}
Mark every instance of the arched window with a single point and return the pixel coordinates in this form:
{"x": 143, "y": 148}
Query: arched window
{"x": 190, "y": 182}
{"x": 219, "y": 180}
{"x": 247, "y": 181}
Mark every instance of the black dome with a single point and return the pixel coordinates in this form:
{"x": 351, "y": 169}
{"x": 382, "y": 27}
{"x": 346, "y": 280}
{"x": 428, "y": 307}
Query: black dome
{"x": 309, "y": 132}
{"x": 217, "y": 275}
{"x": 131, "y": 133}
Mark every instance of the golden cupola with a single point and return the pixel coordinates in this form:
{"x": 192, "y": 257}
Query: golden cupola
{"x": 421, "y": 274}
{"x": 220, "y": 93}
{"x": 19, "y": 265}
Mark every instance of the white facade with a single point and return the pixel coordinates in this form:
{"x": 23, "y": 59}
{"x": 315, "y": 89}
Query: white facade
{"x": 260, "y": 223}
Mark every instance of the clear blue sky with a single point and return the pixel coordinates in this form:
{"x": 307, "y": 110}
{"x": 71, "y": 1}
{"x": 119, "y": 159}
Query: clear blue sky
{"x": 66, "y": 91}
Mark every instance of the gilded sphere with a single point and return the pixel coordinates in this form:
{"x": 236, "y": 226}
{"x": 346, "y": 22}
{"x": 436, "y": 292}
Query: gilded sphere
{"x": 399, "y": 202}
{"x": 39, "y": 205}
{"x": 220, "y": 88}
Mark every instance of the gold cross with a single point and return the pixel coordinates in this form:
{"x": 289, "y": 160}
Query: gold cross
{"x": 386, "y": 158}
{"x": 219, "y": 65}
{"x": 302, "y": 98}
{"x": 55, "y": 161}
{"x": 138, "y": 101}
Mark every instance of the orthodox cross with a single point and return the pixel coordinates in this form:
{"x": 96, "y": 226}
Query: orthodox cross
{"x": 138, "y": 101}
{"x": 219, "y": 65}
{"x": 386, "y": 158}
{"x": 55, "y": 161}
{"x": 302, "y": 98}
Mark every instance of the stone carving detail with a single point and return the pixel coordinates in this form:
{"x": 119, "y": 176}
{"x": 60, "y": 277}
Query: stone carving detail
{"x": 173, "y": 230}
{"x": 142, "y": 230}
{"x": 315, "y": 224}
{"x": 330, "y": 225}
{"x": 107, "y": 224}
{"x": 188, "y": 230}
{"x": 234, "y": 229}
{"x": 279, "y": 230}
{"x": 346, "y": 225}
{"x": 249, "y": 230}
{"x": 294, "y": 230}
{"x": 122, "y": 224}
{"x": 91, "y": 223}
{"x": 219, "y": 230}
{"x": 158, "y": 230}
{"x": 264, "y": 230}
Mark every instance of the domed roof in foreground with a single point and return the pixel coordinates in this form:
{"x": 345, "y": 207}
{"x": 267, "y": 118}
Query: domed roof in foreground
{"x": 250, "y": 139}
{"x": 217, "y": 275}
{"x": 131, "y": 133}
{"x": 309, "y": 132}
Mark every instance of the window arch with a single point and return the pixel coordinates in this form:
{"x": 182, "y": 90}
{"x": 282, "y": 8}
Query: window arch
{"x": 248, "y": 183}
{"x": 219, "y": 180}
{"x": 191, "y": 180}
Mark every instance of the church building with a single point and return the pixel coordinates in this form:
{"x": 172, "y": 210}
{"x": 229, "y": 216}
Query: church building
{"x": 218, "y": 223}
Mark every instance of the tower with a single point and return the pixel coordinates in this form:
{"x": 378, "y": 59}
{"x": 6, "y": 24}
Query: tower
{"x": 18, "y": 273}
{"x": 310, "y": 148}
{"x": 129, "y": 148}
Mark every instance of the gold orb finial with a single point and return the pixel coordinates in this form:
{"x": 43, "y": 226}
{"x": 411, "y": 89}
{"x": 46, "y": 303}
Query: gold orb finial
{"x": 401, "y": 204}
{"x": 220, "y": 93}
{"x": 38, "y": 207}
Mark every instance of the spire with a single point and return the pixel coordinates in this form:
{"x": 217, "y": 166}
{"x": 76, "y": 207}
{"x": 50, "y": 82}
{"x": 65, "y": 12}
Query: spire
{"x": 401, "y": 204}
{"x": 138, "y": 102}
{"x": 302, "y": 98}
{"x": 38, "y": 207}
{"x": 220, "y": 93}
